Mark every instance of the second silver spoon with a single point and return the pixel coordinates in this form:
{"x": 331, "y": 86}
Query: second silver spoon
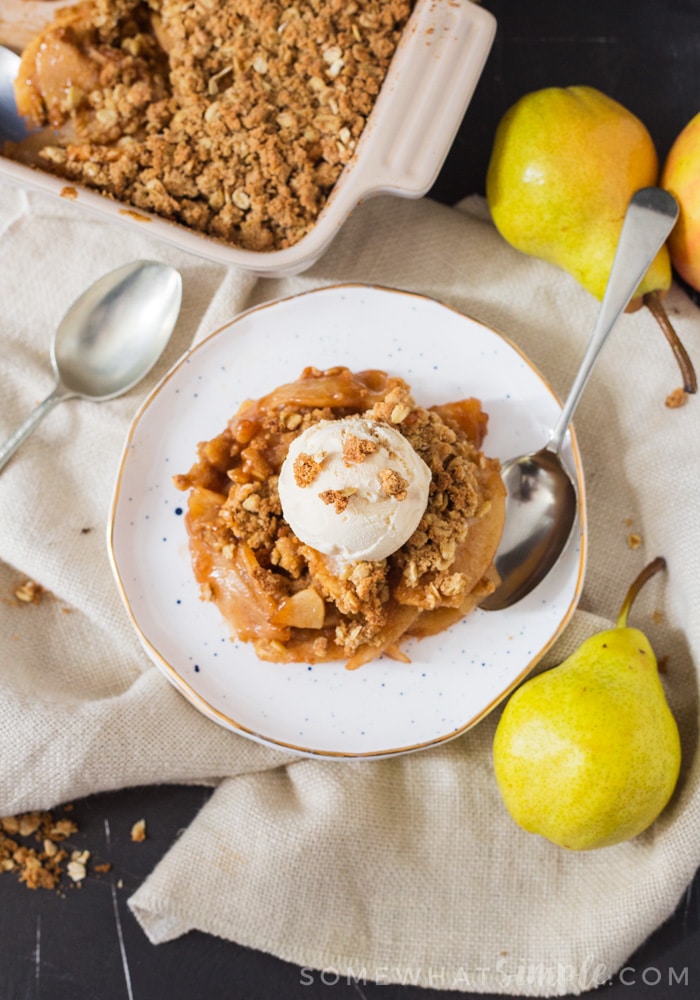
{"x": 109, "y": 339}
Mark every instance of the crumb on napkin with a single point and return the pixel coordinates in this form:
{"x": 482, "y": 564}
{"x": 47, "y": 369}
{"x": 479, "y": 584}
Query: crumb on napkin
{"x": 678, "y": 397}
{"x": 29, "y": 592}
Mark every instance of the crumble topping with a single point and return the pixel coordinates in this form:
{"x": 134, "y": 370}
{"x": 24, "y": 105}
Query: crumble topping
{"x": 356, "y": 450}
{"x": 393, "y": 484}
{"x": 339, "y": 498}
{"x": 306, "y": 468}
{"x": 232, "y": 117}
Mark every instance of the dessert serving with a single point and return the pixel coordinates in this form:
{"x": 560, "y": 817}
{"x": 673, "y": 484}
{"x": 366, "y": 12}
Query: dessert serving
{"x": 456, "y": 674}
{"x": 335, "y": 517}
{"x": 234, "y": 118}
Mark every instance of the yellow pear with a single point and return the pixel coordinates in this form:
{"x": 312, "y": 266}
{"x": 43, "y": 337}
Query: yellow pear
{"x": 587, "y": 754}
{"x": 565, "y": 163}
{"x": 681, "y": 176}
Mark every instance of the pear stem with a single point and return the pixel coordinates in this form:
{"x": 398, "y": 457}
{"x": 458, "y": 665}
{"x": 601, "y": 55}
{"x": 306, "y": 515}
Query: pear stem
{"x": 654, "y": 567}
{"x": 652, "y": 300}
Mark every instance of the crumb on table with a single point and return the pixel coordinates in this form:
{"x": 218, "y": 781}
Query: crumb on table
{"x": 138, "y": 831}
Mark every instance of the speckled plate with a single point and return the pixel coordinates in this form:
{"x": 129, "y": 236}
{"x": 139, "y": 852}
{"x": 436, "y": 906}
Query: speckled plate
{"x": 384, "y": 708}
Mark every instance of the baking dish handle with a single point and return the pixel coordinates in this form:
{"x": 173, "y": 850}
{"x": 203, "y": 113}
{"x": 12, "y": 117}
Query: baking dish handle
{"x": 432, "y": 79}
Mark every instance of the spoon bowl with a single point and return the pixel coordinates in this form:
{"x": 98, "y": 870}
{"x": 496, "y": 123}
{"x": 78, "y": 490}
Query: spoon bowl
{"x": 109, "y": 339}
{"x": 12, "y": 126}
{"x": 116, "y": 331}
{"x": 541, "y": 505}
{"x": 541, "y": 499}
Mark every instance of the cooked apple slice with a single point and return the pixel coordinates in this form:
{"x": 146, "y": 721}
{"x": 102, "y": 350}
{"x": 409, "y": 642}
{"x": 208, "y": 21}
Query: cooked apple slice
{"x": 305, "y": 609}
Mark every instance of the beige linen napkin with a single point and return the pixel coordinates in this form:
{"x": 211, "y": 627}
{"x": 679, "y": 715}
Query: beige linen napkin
{"x": 405, "y": 870}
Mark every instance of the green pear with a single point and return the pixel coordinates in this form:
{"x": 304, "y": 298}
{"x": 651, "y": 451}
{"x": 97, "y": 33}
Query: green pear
{"x": 564, "y": 165}
{"x": 587, "y": 754}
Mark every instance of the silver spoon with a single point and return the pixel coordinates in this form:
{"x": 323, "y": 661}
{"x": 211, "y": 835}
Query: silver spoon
{"x": 541, "y": 500}
{"x": 12, "y": 125}
{"x": 109, "y": 339}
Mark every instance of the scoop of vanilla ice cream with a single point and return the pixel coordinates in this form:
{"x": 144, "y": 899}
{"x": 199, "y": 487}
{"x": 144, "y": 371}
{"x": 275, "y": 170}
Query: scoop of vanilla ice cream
{"x": 353, "y": 488}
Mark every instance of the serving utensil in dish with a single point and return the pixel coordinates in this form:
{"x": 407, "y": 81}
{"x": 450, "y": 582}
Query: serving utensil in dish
{"x": 454, "y": 678}
{"x": 12, "y": 125}
{"x": 407, "y": 136}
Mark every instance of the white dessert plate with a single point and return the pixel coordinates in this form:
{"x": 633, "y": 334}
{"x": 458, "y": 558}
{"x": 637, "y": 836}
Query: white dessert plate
{"x": 455, "y": 678}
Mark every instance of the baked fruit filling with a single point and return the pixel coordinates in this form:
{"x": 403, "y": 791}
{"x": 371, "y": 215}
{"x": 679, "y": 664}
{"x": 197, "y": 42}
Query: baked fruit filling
{"x": 296, "y": 601}
{"x": 232, "y": 117}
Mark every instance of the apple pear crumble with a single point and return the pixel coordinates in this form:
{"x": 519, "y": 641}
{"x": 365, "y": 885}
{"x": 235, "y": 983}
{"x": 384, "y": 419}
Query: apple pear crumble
{"x": 234, "y": 118}
{"x": 296, "y": 601}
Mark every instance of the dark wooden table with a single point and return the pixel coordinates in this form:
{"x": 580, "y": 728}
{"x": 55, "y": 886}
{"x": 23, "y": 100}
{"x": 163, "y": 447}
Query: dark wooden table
{"x": 84, "y": 944}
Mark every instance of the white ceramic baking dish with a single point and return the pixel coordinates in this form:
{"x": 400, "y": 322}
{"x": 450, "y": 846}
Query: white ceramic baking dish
{"x": 425, "y": 94}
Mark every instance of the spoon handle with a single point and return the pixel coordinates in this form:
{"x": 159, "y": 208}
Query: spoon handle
{"x": 10, "y": 446}
{"x": 650, "y": 217}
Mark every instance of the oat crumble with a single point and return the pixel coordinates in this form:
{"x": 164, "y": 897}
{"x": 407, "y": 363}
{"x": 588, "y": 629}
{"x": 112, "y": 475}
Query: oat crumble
{"x": 393, "y": 484}
{"x": 234, "y": 118}
{"x": 356, "y": 450}
{"x": 339, "y": 498}
{"x": 306, "y": 468}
